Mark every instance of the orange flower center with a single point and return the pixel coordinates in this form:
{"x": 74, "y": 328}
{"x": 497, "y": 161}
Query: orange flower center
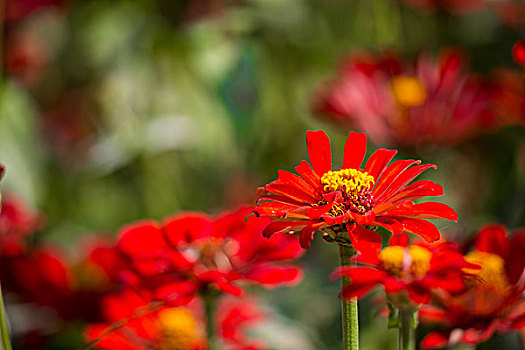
{"x": 412, "y": 262}
{"x": 408, "y": 91}
{"x": 492, "y": 273}
{"x": 355, "y": 186}
{"x": 178, "y": 330}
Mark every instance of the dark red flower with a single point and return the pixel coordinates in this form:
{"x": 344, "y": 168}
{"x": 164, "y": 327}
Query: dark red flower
{"x": 194, "y": 249}
{"x": 409, "y": 273}
{"x": 493, "y": 301}
{"x": 508, "y": 98}
{"x": 453, "y": 6}
{"x": 378, "y": 195}
{"x": 17, "y": 221}
{"x": 428, "y": 102}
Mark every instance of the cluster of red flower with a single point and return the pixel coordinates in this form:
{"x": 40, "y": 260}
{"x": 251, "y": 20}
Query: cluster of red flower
{"x": 149, "y": 289}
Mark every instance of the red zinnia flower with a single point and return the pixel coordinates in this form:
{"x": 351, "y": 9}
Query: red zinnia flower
{"x": 407, "y": 273}
{"x": 493, "y": 301}
{"x": 425, "y": 103}
{"x": 135, "y": 323}
{"x": 194, "y": 248}
{"x": 378, "y": 195}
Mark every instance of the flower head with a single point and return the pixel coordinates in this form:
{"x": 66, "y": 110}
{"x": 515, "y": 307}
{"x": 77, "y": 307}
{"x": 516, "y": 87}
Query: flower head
{"x": 424, "y": 103}
{"x": 201, "y": 252}
{"x": 409, "y": 273}
{"x": 320, "y": 198}
{"x": 493, "y": 300}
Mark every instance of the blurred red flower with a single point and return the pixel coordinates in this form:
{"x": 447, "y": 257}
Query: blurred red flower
{"x": 409, "y": 273}
{"x": 18, "y": 9}
{"x": 453, "y": 6}
{"x": 195, "y": 252}
{"x": 379, "y": 195}
{"x": 508, "y": 98}
{"x": 134, "y": 322}
{"x": 518, "y": 52}
{"x": 426, "y": 103}
{"x": 17, "y": 221}
{"x": 493, "y": 301}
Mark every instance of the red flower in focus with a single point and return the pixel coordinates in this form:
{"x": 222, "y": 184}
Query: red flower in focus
{"x": 378, "y": 195}
{"x": 518, "y": 52}
{"x": 135, "y": 323}
{"x": 453, "y": 6}
{"x": 409, "y": 274}
{"x": 427, "y": 103}
{"x": 493, "y": 301}
{"x": 17, "y": 221}
{"x": 191, "y": 249}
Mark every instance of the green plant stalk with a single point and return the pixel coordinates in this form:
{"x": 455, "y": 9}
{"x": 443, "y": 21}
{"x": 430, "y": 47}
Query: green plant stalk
{"x": 407, "y": 330}
{"x": 209, "y": 301}
{"x": 349, "y": 314}
{"x": 6, "y": 342}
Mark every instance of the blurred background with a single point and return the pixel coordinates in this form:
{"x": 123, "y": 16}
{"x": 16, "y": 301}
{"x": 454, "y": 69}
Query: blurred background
{"x": 112, "y": 111}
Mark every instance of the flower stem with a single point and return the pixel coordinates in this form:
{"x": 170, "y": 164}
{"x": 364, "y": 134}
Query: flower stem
{"x": 6, "y": 343}
{"x": 407, "y": 330}
{"x": 209, "y": 301}
{"x": 349, "y": 312}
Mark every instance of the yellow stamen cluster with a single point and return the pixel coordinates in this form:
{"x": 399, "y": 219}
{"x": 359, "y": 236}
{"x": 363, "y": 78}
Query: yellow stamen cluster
{"x": 350, "y": 181}
{"x": 408, "y": 91}
{"x": 420, "y": 262}
{"x": 392, "y": 259}
{"x": 492, "y": 273}
{"x": 401, "y": 262}
{"x": 179, "y": 330}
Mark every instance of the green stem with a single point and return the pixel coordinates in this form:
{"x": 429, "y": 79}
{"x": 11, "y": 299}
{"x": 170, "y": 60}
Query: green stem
{"x": 6, "y": 342}
{"x": 209, "y": 301}
{"x": 407, "y": 331}
{"x": 349, "y": 312}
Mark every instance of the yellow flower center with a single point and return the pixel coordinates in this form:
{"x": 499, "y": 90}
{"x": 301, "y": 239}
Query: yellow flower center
{"x": 179, "y": 330}
{"x": 492, "y": 273}
{"x": 408, "y": 91}
{"x": 392, "y": 259}
{"x": 413, "y": 262}
{"x": 420, "y": 262}
{"x": 355, "y": 186}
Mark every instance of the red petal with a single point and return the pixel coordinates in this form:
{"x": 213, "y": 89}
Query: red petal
{"x": 492, "y": 239}
{"x": 515, "y": 256}
{"x": 290, "y": 179}
{"x": 291, "y": 192}
{"x": 378, "y": 161}
{"x": 417, "y": 190}
{"x": 307, "y": 234}
{"x": 274, "y": 209}
{"x": 319, "y": 151}
{"x": 426, "y": 210}
{"x": 402, "y": 180}
{"x": 435, "y": 340}
{"x": 401, "y": 239}
{"x": 362, "y": 280}
{"x": 365, "y": 241}
{"x": 305, "y": 170}
{"x": 422, "y": 228}
{"x": 280, "y": 226}
{"x": 273, "y": 275}
{"x": 390, "y": 174}
{"x": 355, "y": 150}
